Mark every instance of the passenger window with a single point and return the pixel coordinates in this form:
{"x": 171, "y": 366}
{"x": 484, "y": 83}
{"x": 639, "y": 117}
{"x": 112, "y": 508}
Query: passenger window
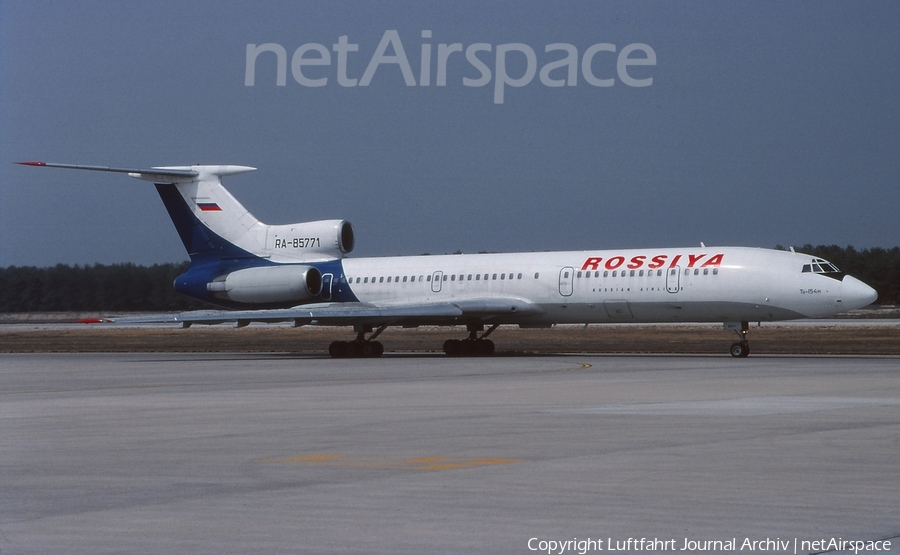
{"x": 605, "y": 274}
{"x": 536, "y": 275}
{"x": 641, "y": 273}
{"x": 696, "y": 271}
{"x": 519, "y": 276}
{"x": 381, "y": 279}
{"x": 469, "y": 277}
{"x": 389, "y": 279}
{"x": 502, "y": 276}
{"x": 428, "y": 278}
{"x": 404, "y": 279}
{"x": 495, "y": 276}
{"x": 705, "y": 271}
{"x": 715, "y": 271}
{"x": 453, "y": 277}
{"x": 445, "y": 277}
{"x": 477, "y": 277}
{"x": 366, "y": 280}
{"x": 632, "y": 273}
{"x": 578, "y": 274}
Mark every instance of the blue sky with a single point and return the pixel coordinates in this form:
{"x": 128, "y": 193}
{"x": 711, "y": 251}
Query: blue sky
{"x": 766, "y": 123}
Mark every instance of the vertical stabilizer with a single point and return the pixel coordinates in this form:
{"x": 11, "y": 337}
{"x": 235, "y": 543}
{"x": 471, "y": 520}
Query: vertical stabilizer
{"x": 207, "y": 216}
{"x": 209, "y": 220}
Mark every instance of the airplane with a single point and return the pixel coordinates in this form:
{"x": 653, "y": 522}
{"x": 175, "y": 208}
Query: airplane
{"x": 299, "y": 273}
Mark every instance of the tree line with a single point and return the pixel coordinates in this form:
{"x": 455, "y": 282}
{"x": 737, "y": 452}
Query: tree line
{"x": 98, "y": 288}
{"x": 132, "y": 288}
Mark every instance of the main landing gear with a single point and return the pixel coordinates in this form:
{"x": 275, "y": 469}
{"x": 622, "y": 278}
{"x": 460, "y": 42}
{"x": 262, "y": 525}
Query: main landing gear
{"x": 740, "y": 349}
{"x": 472, "y": 345}
{"x": 360, "y": 347}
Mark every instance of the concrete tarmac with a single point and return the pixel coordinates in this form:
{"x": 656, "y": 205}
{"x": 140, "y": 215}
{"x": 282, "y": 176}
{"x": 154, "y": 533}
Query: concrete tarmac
{"x": 200, "y": 453}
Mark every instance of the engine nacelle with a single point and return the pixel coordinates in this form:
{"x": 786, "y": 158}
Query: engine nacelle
{"x": 310, "y": 240}
{"x": 269, "y": 284}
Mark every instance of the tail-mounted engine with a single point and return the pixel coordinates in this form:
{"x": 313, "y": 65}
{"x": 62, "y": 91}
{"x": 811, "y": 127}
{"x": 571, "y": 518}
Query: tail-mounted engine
{"x": 310, "y": 240}
{"x": 291, "y": 283}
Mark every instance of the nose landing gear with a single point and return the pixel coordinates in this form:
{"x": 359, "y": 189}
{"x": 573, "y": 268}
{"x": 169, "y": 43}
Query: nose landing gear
{"x": 740, "y": 349}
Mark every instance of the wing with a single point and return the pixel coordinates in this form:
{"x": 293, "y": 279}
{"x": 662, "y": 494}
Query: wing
{"x": 487, "y": 310}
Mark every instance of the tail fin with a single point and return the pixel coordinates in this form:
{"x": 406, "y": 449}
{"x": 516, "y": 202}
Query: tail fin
{"x": 209, "y": 220}
{"x": 215, "y": 227}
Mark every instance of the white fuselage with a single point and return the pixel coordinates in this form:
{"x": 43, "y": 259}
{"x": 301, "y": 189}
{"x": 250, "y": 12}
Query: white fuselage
{"x": 647, "y": 285}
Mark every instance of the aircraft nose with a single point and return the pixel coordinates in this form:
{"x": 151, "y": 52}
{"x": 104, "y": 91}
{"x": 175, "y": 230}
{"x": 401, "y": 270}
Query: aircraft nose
{"x": 856, "y": 294}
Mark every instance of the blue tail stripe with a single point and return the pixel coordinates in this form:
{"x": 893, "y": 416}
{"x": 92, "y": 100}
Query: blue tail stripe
{"x": 199, "y": 241}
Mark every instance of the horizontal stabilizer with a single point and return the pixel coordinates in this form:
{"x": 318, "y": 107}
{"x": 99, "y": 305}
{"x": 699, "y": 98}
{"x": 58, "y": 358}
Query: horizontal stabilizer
{"x": 162, "y": 174}
{"x": 179, "y": 171}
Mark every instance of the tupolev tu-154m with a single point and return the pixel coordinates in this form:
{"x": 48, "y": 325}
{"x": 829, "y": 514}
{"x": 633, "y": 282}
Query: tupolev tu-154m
{"x": 299, "y": 273}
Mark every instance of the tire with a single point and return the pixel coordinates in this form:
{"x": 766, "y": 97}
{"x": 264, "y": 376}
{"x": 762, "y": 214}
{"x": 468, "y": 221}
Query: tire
{"x": 379, "y": 349}
{"x": 740, "y": 350}
{"x": 452, "y": 347}
{"x": 354, "y": 349}
{"x": 484, "y": 347}
{"x": 371, "y": 349}
{"x": 338, "y": 349}
{"x": 467, "y": 347}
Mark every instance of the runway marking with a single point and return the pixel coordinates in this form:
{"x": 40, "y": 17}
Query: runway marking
{"x": 420, "y": 463}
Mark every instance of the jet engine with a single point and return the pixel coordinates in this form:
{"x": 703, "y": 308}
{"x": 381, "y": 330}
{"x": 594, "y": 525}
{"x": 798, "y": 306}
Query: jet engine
{"x": 289, "y": 283}
{"x": 310, "y": 240}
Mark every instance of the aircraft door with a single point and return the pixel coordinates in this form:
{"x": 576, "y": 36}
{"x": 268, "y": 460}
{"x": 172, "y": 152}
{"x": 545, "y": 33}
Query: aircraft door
{"x": 673, "y": 279}
{"x": 436, "y": 279}
{"x": 567, "y": 281}
{"x": 327, "y": 280}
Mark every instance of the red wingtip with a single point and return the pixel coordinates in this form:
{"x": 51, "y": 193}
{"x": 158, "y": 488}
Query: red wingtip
{"x": 33, "y": 163}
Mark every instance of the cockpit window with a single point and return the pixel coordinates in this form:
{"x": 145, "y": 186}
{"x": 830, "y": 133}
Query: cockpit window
{"x": 820, "y": 266}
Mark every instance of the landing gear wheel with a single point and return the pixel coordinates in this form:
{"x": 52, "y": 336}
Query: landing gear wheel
{"x": 740, "y": 350}
{"x": 371, "y": 349}
{"x": 379, "y": 348}
{"x": 356, "y": 349}
{"x": 453, "y": 347}
{"x": 338, "y": 349}
{"x": 359, "y": 347}
{"x": 484, "y": 347}
{"x": 469, "y": 347}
